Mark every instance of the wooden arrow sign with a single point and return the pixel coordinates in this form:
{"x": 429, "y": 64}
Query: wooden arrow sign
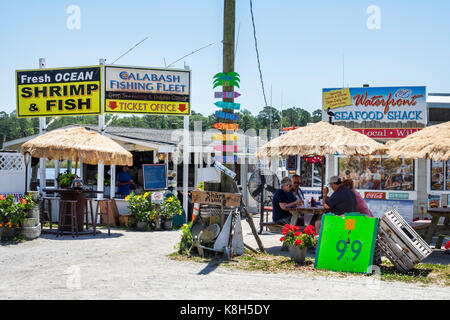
{"x": 225, "y": 148}
{"x": 227, "y": 116}
{"x": 227, "y": 94}
{"x": 225, "y": 137}
{"x": 225, "y": 159}
{"x": 226, "y": 126}
{"x": 228, "y": 105}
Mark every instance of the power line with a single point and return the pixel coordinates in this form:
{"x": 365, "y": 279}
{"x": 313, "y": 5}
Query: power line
{"x": 190, "y": 54}
{"x": 257, "y": 53}
{"x": 131, "y": 49}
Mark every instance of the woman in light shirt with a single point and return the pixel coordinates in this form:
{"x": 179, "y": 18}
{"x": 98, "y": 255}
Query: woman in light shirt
{"x": 360, "y": 203}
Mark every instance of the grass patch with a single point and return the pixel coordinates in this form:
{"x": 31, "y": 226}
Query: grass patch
{"x": 423, "y": 273}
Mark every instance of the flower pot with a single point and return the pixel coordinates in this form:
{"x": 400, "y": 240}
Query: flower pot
{"x": 168, "y": 224}
{"x": 141, "y": 226}
{"x": 297, "y": 254}
{"x": 7, "y": 233}
{"x": 30, "y": 222}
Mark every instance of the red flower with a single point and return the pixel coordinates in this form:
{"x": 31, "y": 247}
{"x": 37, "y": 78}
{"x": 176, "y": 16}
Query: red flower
{"x": 447, "y": 245}
{"x": 23, "y": 201}
{"x": 298, "y": 242}
{"x": 309, "y": 230}
{"x": 297, "y": 233}
{"x": 2, "y": 197}
{"x": 282, "y": 239}
{"x": 296, "y": 228}
{"x": 287, "y": 226}
{"x": 284, "y": 231}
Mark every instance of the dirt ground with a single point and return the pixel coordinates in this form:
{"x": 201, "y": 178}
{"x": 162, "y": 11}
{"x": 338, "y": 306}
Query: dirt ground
{"x": 135, "y": 265}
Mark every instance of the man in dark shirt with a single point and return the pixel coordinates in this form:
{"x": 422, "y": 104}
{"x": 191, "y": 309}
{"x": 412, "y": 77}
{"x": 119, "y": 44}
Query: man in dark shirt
{"x": 343, "y": 200}
{"x": 282, "y": 199}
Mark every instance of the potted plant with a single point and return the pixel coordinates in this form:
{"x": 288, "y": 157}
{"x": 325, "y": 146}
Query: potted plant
{"x": 169, "y": 207}
{"x": 298, "y": 242}
{"x": 142, "y": 208}
{"x": 12, "y": 214}
{"x": 65, "y": 180}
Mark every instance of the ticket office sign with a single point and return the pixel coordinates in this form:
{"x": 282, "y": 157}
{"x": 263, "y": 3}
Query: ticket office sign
{"x": 147, "y": 91}
{"x": 346, "y": 243}
{"x": 58, "y": 92}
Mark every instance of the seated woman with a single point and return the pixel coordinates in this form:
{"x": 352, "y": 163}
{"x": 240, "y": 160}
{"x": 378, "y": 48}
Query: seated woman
{"x": 360, "y": 203}
{"x": 283, "y": 199}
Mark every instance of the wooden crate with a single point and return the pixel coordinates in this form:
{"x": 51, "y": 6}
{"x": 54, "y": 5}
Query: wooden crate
{"x": 401, "y": 244}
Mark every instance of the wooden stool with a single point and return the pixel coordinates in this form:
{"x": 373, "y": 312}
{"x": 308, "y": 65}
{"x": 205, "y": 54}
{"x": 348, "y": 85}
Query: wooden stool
{"x": 45, "y": 211}
{"x": 71, "y": 213}
{"x": 89, "y": 205}
{"x": 99, "y": 212}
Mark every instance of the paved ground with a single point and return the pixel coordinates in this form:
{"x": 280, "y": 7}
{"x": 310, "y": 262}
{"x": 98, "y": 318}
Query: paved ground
{"x": 134, "y": 265}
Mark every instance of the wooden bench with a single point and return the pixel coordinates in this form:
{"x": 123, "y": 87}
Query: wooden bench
{"x": 272, "y": 226}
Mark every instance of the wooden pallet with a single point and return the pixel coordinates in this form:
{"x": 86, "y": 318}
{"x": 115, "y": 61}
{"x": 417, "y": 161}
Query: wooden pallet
{"x": 401, "y": 244}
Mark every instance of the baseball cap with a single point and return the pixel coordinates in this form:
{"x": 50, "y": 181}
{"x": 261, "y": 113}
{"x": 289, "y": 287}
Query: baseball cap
{"x": 335, "y": 179}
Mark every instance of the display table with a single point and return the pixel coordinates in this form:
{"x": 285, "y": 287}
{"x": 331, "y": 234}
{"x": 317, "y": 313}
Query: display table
{"x": 434, "y": 229}
{"x": 74, "y": 194}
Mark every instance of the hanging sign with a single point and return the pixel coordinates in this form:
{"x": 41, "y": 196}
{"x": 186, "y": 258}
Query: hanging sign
{"x": 346, "y": 243}
{"x": 225, "y": 148}
{"x": 228, "y": 105}
{"x": 226, "y": 159}
{"x": 230, "y": 79}
{"x": 226, "y": 126}
{"x": 226, "y": 115}
{"x": 312, "y": 158}
{"x": 216, "y": 198}
{"x": 225, "y": 137}
{"x": 224, "y": 169}
{"x": 226, "y": 95}
{"x": 147, "y": 91}
{"x": 291, "y": 163}
{"x": 72, "y": 91}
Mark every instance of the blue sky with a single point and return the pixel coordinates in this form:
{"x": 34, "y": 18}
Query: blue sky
{"x": 301, "y": 44}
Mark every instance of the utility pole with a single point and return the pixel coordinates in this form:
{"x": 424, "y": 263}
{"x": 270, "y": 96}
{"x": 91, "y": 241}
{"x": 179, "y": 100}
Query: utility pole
{"x": 228, "y": 66}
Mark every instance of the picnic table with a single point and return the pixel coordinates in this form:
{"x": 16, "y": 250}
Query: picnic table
{"x": 440, "y": 230}
{"x": 296, "y": 211}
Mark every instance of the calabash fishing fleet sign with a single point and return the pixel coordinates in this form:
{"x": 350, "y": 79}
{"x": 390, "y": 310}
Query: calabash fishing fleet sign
{"x": 147, "y": 91}
{"x": 381, "y": 104}
{"x": 58, "y": 92}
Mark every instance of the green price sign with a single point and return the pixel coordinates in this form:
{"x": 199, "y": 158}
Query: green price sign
{"x": 346, "y": 243}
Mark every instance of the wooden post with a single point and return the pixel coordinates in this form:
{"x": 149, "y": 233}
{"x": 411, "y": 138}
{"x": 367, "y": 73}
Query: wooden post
{"x": 228, "y": 66}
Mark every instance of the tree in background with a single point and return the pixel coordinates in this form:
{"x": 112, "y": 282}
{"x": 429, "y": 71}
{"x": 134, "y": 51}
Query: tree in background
{"x": 14, "y": 128}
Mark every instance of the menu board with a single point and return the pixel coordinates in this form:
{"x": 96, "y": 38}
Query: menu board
{"x": 155, "y": 176}
{"x": 379, "y": 207}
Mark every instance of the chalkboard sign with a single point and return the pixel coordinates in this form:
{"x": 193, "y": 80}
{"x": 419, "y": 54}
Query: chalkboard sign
{"x": 155, "y": 176}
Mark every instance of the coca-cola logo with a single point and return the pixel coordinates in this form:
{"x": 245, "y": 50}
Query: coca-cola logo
{"x": 375, "y": 195}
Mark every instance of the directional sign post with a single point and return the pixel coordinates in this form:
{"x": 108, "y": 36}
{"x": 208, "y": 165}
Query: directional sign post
{"x": 228, "y": 105}
{"x": 227, "y": 116}
{"x": 227, "y": 94}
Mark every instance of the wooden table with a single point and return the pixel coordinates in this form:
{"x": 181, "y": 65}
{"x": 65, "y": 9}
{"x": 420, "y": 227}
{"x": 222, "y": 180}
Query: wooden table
{"x": 296, "y": 211}
{"x": 74, "y": 194}
{"x": 440, "y": 230}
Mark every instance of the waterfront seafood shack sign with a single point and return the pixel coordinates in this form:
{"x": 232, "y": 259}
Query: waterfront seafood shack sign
{"x": 58, "y": 92}
{"x": 381, "y": 104}
{"x": 147, "y": 91}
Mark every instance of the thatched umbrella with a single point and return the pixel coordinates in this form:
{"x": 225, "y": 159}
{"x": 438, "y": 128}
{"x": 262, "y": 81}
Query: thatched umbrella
{"x": 431, "y": 142}
{"x": 78, "y": 143}
{"x": 320, "y": 139}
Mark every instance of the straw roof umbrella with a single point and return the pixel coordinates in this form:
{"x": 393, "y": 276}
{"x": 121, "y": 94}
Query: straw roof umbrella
{"x": 320, "y": 139}
{"x": 431, "y": 142}
{"x": 77, "y": 143}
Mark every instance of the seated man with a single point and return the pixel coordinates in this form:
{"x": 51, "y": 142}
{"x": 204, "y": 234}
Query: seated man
{"x": 343, "y": 200}
{"x": 282, "y": 199}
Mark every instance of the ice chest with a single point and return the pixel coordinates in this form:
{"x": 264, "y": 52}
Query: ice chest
{"x": 400, "y": 243}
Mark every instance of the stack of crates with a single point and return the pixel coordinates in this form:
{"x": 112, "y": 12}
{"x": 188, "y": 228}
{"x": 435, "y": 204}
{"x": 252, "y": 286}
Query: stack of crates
{"x": 400, "y": 242}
